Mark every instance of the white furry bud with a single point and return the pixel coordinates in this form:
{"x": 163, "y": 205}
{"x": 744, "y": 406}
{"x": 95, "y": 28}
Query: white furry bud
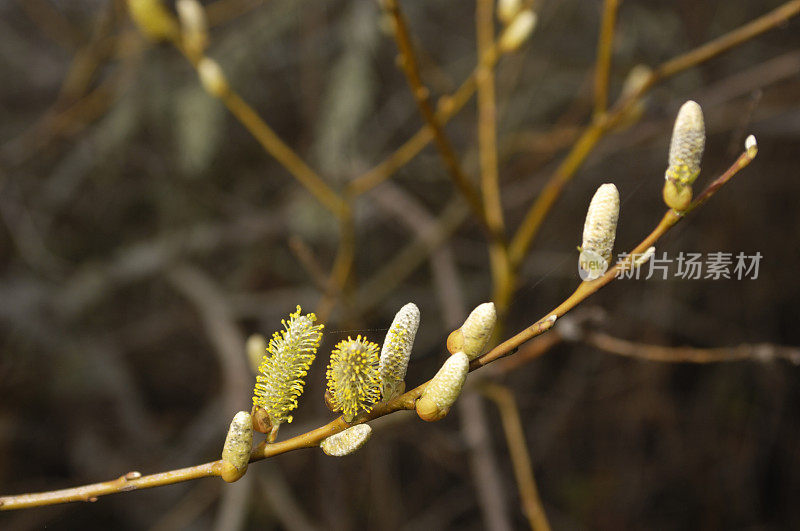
{"x": 236, "y": 452}
{"x": 508, "y": 9}
{"x": 517, "y": 31}
{"x": 599, "y": 231}
{"x": 444, "y": 388}
{"x": 474, "y": 334}
{"x": 194, "y": 26}
{"x": 347, "y": 441}
{"x": 396, "y": 350}
{"x": 212, "y": 77}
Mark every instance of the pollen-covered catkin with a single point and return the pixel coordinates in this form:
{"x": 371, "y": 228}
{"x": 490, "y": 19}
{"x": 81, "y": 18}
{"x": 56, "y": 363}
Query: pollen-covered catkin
{"x": 288, "y": 358}
{"x": 444, "y": 388}
{"x": 599, "y": 231}
{"x": 474, "y": 334}
{"x": 354, "y": 383}
{"x": 685, "y": 154}
{"x": 347, "y": 441}
{"x": 153, "y": 19}
{"x": 396, "y": 351}
{"x": 236, "y": 452}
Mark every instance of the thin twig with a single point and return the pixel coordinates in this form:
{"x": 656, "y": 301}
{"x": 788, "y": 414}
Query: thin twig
{"x": 604, "y": 51}
{"x": 276, "y": 147}
{"x": 530, "y": 226}
{"x": 755, "y": 352}
{"x": 421, "y": 94}
{"x": 520, "y": 457}
{"x": 406, "y": 401}
{"x": 487, "y": 153}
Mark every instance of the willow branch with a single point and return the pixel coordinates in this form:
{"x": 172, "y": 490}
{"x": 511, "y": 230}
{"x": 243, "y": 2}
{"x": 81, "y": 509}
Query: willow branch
{"x": 406, "y": 401}
{"x": 421, "y": 94}
{"x": 660, "y": 353}
{"x": 532, "y": 222}
{"x": 447, "y": 107}
{"x": 487, "y": 154}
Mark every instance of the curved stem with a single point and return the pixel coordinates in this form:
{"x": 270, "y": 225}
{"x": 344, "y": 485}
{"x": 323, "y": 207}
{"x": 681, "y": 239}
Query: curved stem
{"x": 406, "y": 401}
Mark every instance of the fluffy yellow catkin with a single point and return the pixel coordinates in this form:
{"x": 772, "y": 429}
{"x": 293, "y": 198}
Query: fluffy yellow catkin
{"x": 347, "y": 441}
{"x": 194, "y": 26}
{"x": 288, "y": 358}
{"x": 474, "y": 334}
{"x": 685, "y": 153}
{"x": 396, "y": 351}
{"x": 599, "y": 231}
{"x": 354, "y": 383}
{"x": 153, "y": 19}
{"x": 444, "y": 388}
{"x": 236, "y": 452}
{"x": 517, "y": 31}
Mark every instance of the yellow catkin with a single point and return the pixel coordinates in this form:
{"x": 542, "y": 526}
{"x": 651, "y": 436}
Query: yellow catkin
{"x": 354, "y": 383}
{"x": 599, "y": 231}
{"x": 153, "y": 20}
{"x": 517, "y": 31}
{"x": 444, "y": 388}
{"x": 396, "y": 351}
{"x": 212, "y": 78}
{"x": 289, "y": 356}
{"x": 194, "y": 26}
{"x": 236, "y": 452}
{"x": 474, "y": 334}
{"x": 347, "y": 441}
{"x": 256, "y": 348}
{"x": 685, "y": 154}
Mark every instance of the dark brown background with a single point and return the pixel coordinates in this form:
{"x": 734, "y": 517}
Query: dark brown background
{"x": 120, "y": 223}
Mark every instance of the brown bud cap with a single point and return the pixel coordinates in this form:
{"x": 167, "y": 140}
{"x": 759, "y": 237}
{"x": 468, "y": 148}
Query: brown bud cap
{"x": 444, "y": 388}
{"x": 474, "y": 334}
{"x": 676, "y": 196}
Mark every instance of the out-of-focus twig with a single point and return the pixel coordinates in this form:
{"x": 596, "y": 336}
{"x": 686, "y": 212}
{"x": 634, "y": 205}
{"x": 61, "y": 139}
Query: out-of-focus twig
{"x": 406, "y": 401}
{"x": 421, "y": 95}
{"x": 487, "y": 152}
{"x": 520, "y": 457}
{"x": 763, "y": 352}
{"x": 601, "y": 124}
{"x": 605, "y": 45}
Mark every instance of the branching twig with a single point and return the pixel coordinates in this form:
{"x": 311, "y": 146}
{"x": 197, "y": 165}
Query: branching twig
{"x": 405, "y": 401}
{"x": 530, "y": 226}
{"x": 421, "y": 94}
